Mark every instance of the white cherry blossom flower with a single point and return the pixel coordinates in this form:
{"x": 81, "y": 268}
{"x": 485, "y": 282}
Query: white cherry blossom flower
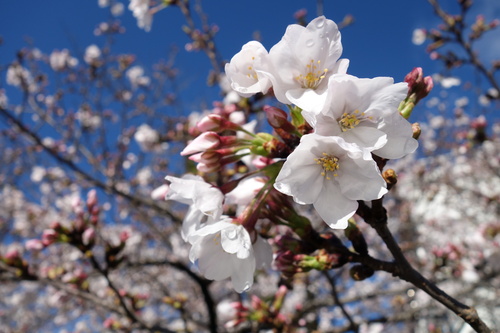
{"x": 304, "y": 60}
{"x": 140, "y": 10}
{"x": 365, "y": 112}
{"x": 135, "y": 75}
{"x": 419, "y": 36}
{"x": 60, "y": 60}
{"x": 204, "y": 200}
{"x": 331, "y": 174}
{"x": 92, "y": 54}
{"x": 147, "y": 137}
{"x": 244, "y": 71}
{"x": 224, "y": 250}
{"x": 18, "y": 76}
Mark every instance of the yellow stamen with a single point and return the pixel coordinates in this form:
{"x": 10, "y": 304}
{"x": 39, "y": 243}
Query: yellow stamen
{"x": 313, "y": 76}
{"x": 251, "y": 72}
{"x": 350, "y": 120}
{"x": 328, "y": 164}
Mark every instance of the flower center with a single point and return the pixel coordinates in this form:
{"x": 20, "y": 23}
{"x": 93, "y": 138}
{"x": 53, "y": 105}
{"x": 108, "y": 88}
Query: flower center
{"x": 314, "y": 75}
{"x": 329, "y": 164}
{"x": 251, "y": 72}
{"x": 350, "y": 120}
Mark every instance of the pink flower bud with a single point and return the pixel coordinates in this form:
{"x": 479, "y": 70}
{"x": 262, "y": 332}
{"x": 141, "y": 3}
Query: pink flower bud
{"x": 49, "y": 236}
{"x": 207, "y": 168}
{"x": 216, "y": 123}
{"x": 479, "y": 122}
{"x": 418, "y": 85}
{"x": 55, "y": 225}
{"x": 414, "y": 77}
{"x": 12, "y": 254}
{"x": 300, "y": 14}
{"x": 34, "y": 245}
{"x": 76, "y": 204}
{"x": 92, "y": 198}
{"x": 109, "y": 323}
{"x": 256, "y": 302}
{"x": 204, "y": 142}
{"x": 209, "y": 157}
{"x": 88, "y": 236}
{"x": 124, "y": 235}
{"x": 260, "y": 162}
{"x": 212, "y": 122}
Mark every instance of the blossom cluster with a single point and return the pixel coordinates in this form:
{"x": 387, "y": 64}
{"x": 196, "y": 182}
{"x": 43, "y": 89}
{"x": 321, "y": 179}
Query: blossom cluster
{"x": 326, "y": 156}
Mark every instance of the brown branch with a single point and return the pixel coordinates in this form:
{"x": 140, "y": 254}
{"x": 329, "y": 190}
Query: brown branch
{"x": 203, "y": 283}
{"x": 457, "y": 33}
{"x": 376, "y": 217}
{"x": 87, "y": 296}
{"x": 331, "y": 280}
{"x": 134, "y": 200}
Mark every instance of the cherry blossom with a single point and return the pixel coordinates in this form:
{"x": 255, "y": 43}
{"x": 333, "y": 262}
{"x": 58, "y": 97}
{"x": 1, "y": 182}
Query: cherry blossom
{"x": 140, "y": 10}
{"x": 365, "y": 112}
{"x": 224, "y": 250}
{"x": 245, "y": 70}
{"x": 332, "y": 175}
{"x": 304, "y": 60}
{"x": 204, "y": 200}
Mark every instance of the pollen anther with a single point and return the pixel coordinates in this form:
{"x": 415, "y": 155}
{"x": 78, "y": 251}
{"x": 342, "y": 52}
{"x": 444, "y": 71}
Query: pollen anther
{"x": 350, "y": 120}
{"x": 313, "y": 76}
{"x": 329, "y": 165}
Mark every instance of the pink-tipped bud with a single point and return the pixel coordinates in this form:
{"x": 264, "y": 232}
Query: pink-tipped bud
{"x": 207, "y": 161}
{"x": 279, "y": 297}
{"x": 124, "y": 235}
{"x": 208, "y": 157}
{"x": 300, "y": 14}
{"x": 479, "y": 122}
{"x": 55, "y": 225}
{"x": 256, "y": 302}
{"x": 204, "y": 142}
{"x": 49, "y": 236}
{"x": 212, "y": 122}
{"x": 278, "y": 118}
{"x": 12, "y": 254}
{"x": 91, "y": 198}
{"x": 260, "y": 162}
{"x": 414, "y": 77}
{"x": 216, "y": 123}
{"x": 418, "y": 85}
{"x": 34, "y": 245}
{"x": 110, "y": 323}
{"x": 88, "y": 236}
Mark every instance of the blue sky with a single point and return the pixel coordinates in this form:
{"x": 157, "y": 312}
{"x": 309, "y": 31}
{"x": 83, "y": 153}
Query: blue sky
{"x": 377, "y": 44}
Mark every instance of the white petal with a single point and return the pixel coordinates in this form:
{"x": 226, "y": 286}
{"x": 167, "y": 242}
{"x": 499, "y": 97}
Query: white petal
{"x": 242, "y": 273}
{"x": 236, "y": 240}
{"x": 243, "y": 70}
{"x": 400, "y": 140}
{"x": 300, "y": 176}
{"x": 307, "y": 99}
{"x": 360, "y": 180}
{"x": 333, "y": 207}
{"x": 365, "y": 137}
